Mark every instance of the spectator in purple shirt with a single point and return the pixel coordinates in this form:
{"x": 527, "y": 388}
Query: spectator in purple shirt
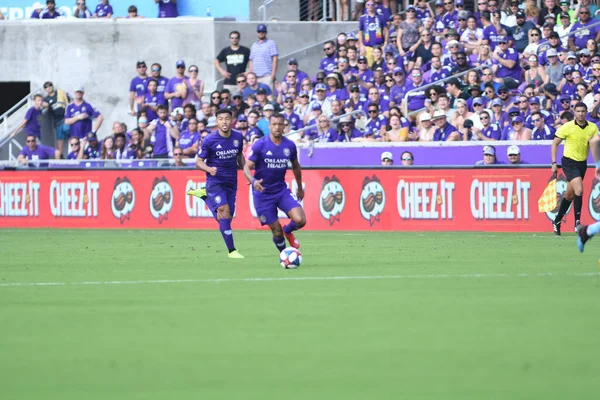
{"x": 264, "y": 57}
{"x": 103, "y": 10}
{"x": 33, "y": 118}
{"x": 151, "y": 100}
{"x": 176, "y": 89}
{"x": 162, "y": 81}
{"x": 79, "y": 116}
{"x": 372, "y": 31}
{"x": 167, "y": 8}
{"x": 35, "y": 152}
{"x": 579, "y": 39}
{"x": 37, "y": 9}
{"x": 508, "y": 70}
{"x": 137, "y": 87}
{"x": 50, "y": 11}
{"x": 74, "y": 146}
{"x": 329, "y": 62}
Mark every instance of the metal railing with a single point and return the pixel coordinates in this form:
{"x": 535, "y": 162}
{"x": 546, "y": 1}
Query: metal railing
{"x": 436, "y": 83}
{"x": 97, "y": 163}
{"x": 4, "y": 131}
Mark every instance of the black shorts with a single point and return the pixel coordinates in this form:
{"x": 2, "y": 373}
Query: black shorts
{"x": 573, "y": 169}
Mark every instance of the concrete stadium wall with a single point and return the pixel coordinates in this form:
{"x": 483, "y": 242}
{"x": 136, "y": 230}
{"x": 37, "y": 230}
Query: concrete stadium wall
{"x": 101, "y": 54}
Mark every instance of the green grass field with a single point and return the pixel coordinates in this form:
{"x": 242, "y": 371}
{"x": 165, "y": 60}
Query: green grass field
{"x": 367, "y": 316}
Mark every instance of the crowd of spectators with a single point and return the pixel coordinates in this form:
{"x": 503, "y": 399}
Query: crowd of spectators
{"x": 503, "y": 72}
{"x": 166, "y": 9}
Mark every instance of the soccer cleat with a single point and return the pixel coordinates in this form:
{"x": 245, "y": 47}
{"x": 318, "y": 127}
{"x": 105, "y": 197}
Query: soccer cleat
{"x": 577, "y": 225}
{"x": 235, "y": 254}
{"x": 200, "y": 192}
{"x": 292, "y": 240}
{"x": 582, "y": 237}
{"x": 556, "y": 227}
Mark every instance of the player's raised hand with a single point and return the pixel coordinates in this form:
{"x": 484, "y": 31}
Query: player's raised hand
{"x": 257, "y": 185}
{"x": 213, "y": 171}
{"x": 300, "y": 193}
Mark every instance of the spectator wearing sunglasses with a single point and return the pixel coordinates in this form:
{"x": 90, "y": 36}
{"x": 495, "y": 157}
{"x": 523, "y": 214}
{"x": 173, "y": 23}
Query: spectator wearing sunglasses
{"x": 579, "y": 39}
{"x": 235, "y": 57}
{"x": 178, "y": 157}
{"x": 81, "y": 10}
{"x": 138, "y": 87}
{"x": 176, "y": 90}
{"x": 74, "y": 146}
{"x": 288, "y": 113}
{"x": 541, "y": 131}
{"x": 329, "y": 62}
{"x": 407, "y": 159}
{"x": 155, "y": 73}
{"x": 34, "y": 151}
{"x": 375, "y": 121}
{"x": 508, "y": 69}
{"x": 346, "y": 130}
{"x": 489, "y": 131}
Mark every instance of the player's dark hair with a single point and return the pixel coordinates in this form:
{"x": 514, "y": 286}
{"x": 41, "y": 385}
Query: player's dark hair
{"x": 224, "y": 111}
{"x": 162, "y": 107}
{"x": 191, "y": 107}
{"x": 537, "y": 113}
{"x": 581, "y": 104}
{"x": 276, "y": 115}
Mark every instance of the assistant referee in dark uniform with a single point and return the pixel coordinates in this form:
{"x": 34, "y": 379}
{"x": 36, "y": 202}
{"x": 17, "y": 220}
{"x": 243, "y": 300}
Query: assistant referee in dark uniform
{"x": 577, "y": 135}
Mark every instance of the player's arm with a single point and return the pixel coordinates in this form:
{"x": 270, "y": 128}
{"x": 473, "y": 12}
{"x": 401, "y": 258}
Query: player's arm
{"x": 555, "y": 143}
{"x": 241, "y": 160}
{"x": 595, "y": 145}
{"x": 201, "y": 164}
{"x": 248, "y": 167}
{"x": 297, "y": 170}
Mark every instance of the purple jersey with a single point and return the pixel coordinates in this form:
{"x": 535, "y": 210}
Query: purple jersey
{"x": 514, "y": 72}
{"x": 441, "y": 135}
{"x": 72, "y": 155}
{"x": 153, "y": 100}
{"x": 366, "y": 76}
{"x": 188, "y": 139}
{"x": 46, "y": 14}
{"x": 491, "y": 35}
{"x": 546, "y": 133}
{"x": 328, "y": 64}
{"x": 138, "y": 85}
{"x": 82, "y": 127}
{"x": 338, "y": 94}
{"x": 329, "y": 136}
{"x": 167, "y": 9}
{"x": 450, "y": 20}
{"x": 162, "y": 84}
{"x": 92, "y": 151}
{"x": 41, "y": 152}
{"x": 294, "y": 120}
{"x": 222, "y": 152}
{"x": 272, "y": 162}
{"x": 355, "y": 133}
{"x": 423, "y": 13}
{"x": 172, "y": 87}
{"x": 372, "y": 29}
{"x": 582, "y": 36}
{"x": 493, "y": 131}
{"x": 103, "y": 10}
{"x": 434, "y": 76}
{"x": 161, "y": 139}
{"x": 34, "y": 118}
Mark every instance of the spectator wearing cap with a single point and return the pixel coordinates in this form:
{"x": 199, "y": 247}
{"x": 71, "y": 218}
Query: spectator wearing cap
{"x": 346, "y": 130}
{"x": 90, "y": 148}
{"x": 50, "y": 11}
{"x": 167, "y": 8}
{"x": 242, "y": 126}
{"x": 366, "y": 77}
{"x": 514, "y": 155}
{"x": 56, "y": 101}
{"x": 563, "y": 27}
{"x": 189, "y": 139}
{"x": 372, "y": 31}
{"x": 519, "y": 130}
{"x": 554, "y": 68}
{"x": 489, "y": 131}
{"x": 567, "y": 12}
{"x": 235, "y": 57}
{"x": 489, "y": 156}
{"x": 103, "y": 10}
{"x": 335, "y": 91}
{"x": 292, "y": 65}
{"x": 508, "y": 69}
{"x": 541, "y": 131}
{"x": 312, "y": 123}
{"x": 253, "y": 86}
{"x": 535, "y": 105}
{"x": 264, "y": 57}
{"x": 355, "y": 101}
{"x": 578, "y": 40}
{"x": 263, "y": 123}
{"x": 521, "y": 29}
{"x": 288, "y": 113}
{"x": 79, "y": 116}
{"x": 137, "y": 87}
{"x": 567, "y": 86}
{"x": 303, "y": 108}
{"x": 462, "y": 26}
{"x": 444, "y": 131}
{"x": 176, "y": 90}
{"x": 426, "y": 128}
{"x": 329, "y": 62}
{"x": 387, "y": 159}
{"x": 35, "y": 152}
{"x": 238, "y": 107}
{"x": 261, "y": 97}
{"x": 553, "y": 43}
{"x": 321, "y": 98}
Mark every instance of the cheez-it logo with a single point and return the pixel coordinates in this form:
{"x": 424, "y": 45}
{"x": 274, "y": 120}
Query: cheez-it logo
{"x": 372, "y": 200}
{"x": 74, "y": 199}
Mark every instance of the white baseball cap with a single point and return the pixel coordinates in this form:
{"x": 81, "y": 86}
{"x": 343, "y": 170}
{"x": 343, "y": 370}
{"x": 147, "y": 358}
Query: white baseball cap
{"x": 513, "y": 150}
{"x": 387, "y": 154}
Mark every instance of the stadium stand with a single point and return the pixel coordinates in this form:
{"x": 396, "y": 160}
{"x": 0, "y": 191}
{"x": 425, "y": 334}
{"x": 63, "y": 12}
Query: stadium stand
{"x": 434, "y": 72}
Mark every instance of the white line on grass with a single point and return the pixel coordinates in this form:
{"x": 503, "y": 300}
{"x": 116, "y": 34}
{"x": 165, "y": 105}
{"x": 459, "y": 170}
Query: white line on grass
{"x": 299, "y": 278}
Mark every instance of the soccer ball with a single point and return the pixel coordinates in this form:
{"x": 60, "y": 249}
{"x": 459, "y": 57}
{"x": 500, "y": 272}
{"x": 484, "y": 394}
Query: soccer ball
{"x": 290, "y": 258}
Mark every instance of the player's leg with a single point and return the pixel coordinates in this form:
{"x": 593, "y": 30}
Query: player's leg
{"x": 289, "y": 205}
{"x": 571, "y": 172}
{"x": 577, "y": 184}
{"x": 266, "y": 209}
{"x": 585, "y": 233}
{"x": 224, "y": 216}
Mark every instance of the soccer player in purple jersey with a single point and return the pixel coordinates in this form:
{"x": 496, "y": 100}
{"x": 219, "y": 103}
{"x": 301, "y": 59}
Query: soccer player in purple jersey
{"x": 270, "y": 157}
{"x": 219, "y": 157}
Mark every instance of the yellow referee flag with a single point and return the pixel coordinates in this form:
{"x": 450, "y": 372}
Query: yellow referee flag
{"x": 548, "y": 200}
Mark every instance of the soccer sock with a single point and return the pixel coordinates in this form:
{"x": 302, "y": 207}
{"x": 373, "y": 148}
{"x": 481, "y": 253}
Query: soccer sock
{"x": 279, "y": 243}
{"x": 564, "y": 206}
{"x": 291, "y": 227}
{"x": 593, "y": 229}
{"x": 225, "y": 227}
{"x": 577, "y": 205}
